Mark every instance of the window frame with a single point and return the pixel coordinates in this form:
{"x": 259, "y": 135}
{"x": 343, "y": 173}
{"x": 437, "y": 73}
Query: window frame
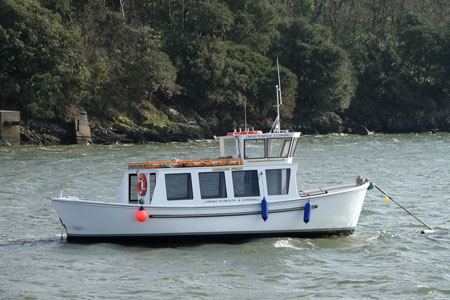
{"x": 257, "y": 181}
{"x": 264, "y": 148}
{"x": 288, "y": 181}
{"x": 294, "y": 146}
{"x": 189, "y": 186}
{"x": 131, "y": 200}
{"x": 150, "y": 186}
{"x": 222, "y": 179}
{"x": 286, "y": 139}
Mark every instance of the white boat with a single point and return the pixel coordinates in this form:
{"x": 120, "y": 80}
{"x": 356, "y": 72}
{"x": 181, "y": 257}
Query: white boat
{"x": 249, "y": 191}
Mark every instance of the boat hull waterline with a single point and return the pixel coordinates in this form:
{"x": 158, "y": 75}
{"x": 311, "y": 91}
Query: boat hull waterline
{"x": 335, "y": 211}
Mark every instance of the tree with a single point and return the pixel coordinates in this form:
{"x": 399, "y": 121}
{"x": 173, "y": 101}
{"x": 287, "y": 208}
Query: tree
{"x": 288, "y": 10}
{"x": 324, "y": 70}
{"x": 222, "y": 78}
{"x": 254, "y": 25}
{"x": 425, "y": 63}
{"x": 153, "y": 72}
{"x": 41, "y": 74}
{"x": 210, "y": 18}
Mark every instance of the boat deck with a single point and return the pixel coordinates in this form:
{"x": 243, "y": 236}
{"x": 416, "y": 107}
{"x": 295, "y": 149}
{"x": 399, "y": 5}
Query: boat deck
{"x": 327, "y": 190}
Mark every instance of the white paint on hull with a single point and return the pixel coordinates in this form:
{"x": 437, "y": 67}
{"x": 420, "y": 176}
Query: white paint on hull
{"x": 337, "y": 210}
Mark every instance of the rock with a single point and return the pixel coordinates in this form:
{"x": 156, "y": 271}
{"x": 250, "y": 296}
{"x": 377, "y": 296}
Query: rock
{"x": 105, "y": 135}
{"x": 307, "y": 130}
{"x": 175, "y": 116}
{"x": 203, "y": 123}
{"x": 41, "y": 133}
{"x": 158, "y": 133}
{"x": 213, "y": 123}
{"x": 328, "y": 122}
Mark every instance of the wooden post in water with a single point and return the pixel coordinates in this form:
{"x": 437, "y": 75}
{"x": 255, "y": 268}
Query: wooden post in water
{"x": 82, "y": 130}
{"x": 10, "y": 126}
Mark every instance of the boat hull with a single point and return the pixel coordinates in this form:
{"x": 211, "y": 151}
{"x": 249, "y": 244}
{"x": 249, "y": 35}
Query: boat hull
{"x": 334, "y": 212}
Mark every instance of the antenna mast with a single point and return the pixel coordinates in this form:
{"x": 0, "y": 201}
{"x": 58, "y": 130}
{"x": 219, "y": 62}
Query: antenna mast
{"x": 245, "y": 114}
{"x": 276, "y": 127}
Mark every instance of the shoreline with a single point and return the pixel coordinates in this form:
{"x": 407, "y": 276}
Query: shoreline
{"x": 138, "y": 135}
{"x": 179, "y": 128}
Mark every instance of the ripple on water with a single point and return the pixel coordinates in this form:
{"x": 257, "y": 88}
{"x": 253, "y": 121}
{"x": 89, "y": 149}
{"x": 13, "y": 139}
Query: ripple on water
{"x": 386, "y": 258}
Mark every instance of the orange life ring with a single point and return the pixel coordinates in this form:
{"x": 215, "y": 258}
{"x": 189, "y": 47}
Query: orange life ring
{"x": 142, "y": 185}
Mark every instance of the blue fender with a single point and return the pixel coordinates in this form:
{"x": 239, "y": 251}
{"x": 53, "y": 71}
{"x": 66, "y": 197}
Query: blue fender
{"x": 307, "y": 213}
{"x": 264, "y": 209}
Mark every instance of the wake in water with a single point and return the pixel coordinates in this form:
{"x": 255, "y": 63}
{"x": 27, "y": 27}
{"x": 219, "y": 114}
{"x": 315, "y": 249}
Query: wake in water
{"x": 30, "y": 242}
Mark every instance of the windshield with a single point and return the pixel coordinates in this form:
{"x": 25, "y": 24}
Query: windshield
{"x": 278, "y": 147}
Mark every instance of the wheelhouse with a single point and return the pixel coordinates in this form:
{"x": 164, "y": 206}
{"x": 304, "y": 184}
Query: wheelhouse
{"x": 263, "y": 147}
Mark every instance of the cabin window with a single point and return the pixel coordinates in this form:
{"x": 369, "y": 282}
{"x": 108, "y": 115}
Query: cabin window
{"x": 254, "y": 148}
{"x": 212, "y": 185}
{"x": 152, "y": 179}
{"x": 294, "y": 148}
{"x": 278, "y": 181}
{"x": 132, "y": 191}
{"x": 179, "y": 186}
{"x": 278, "y": 147}
{"x": 229, "y": 147}
{"x": 245, "y": 183}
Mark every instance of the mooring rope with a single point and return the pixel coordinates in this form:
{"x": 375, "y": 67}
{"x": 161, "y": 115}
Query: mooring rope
{"x": 399, "y": 205}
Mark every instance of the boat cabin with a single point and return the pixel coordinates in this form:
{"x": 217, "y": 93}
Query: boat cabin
{"x": 257, "y": 146}
{"x": 250, "y": 167}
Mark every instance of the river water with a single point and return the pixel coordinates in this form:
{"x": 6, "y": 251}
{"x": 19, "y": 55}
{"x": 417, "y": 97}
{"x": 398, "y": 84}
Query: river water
{"x": 386, "y": 258}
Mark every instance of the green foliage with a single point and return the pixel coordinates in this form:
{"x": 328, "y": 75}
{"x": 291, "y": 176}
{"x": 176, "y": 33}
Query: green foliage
{"x": 216, "y": 57}
{"x": 407, "y": 72}
{"x": 325, "y": 72}
{"x": 255, "y": 25}
{"x": 151, "y": 73}
{"x": 290, "y": 10}
{"x": 211, "y": 19}
{"x": 224, "y": 77}
{"x": 397, "y": 49}
{"x": 124, "y": 61}
{"x": 39, "y": 75}
{"x": 425, "y": 69}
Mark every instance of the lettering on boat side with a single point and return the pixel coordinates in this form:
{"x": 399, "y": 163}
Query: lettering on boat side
{"x": 269, "y": 135}
{"x": 249, "y": 199}
{"x": 227, "y": 169}
{"x": 231, "y": 200}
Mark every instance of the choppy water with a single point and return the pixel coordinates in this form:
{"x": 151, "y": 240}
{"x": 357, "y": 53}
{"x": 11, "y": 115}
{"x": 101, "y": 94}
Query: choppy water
{"x": 386, "y": 258}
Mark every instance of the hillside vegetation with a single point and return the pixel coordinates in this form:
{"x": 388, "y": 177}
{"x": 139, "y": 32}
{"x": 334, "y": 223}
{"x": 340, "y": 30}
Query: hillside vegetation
{"x": 377, "y": 63}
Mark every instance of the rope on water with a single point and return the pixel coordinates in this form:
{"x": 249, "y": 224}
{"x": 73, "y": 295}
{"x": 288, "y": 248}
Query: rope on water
{"x": 430, "y": 230}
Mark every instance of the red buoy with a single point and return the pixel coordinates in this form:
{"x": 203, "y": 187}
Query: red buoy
{"x": 141, "y": 215}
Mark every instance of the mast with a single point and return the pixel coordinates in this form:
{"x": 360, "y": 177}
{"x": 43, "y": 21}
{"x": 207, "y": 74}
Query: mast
{"x": 276, "y": 127}
{"x": 245, "y": 114}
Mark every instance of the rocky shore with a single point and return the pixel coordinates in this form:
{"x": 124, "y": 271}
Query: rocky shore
{"x": 181, "y": 128}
